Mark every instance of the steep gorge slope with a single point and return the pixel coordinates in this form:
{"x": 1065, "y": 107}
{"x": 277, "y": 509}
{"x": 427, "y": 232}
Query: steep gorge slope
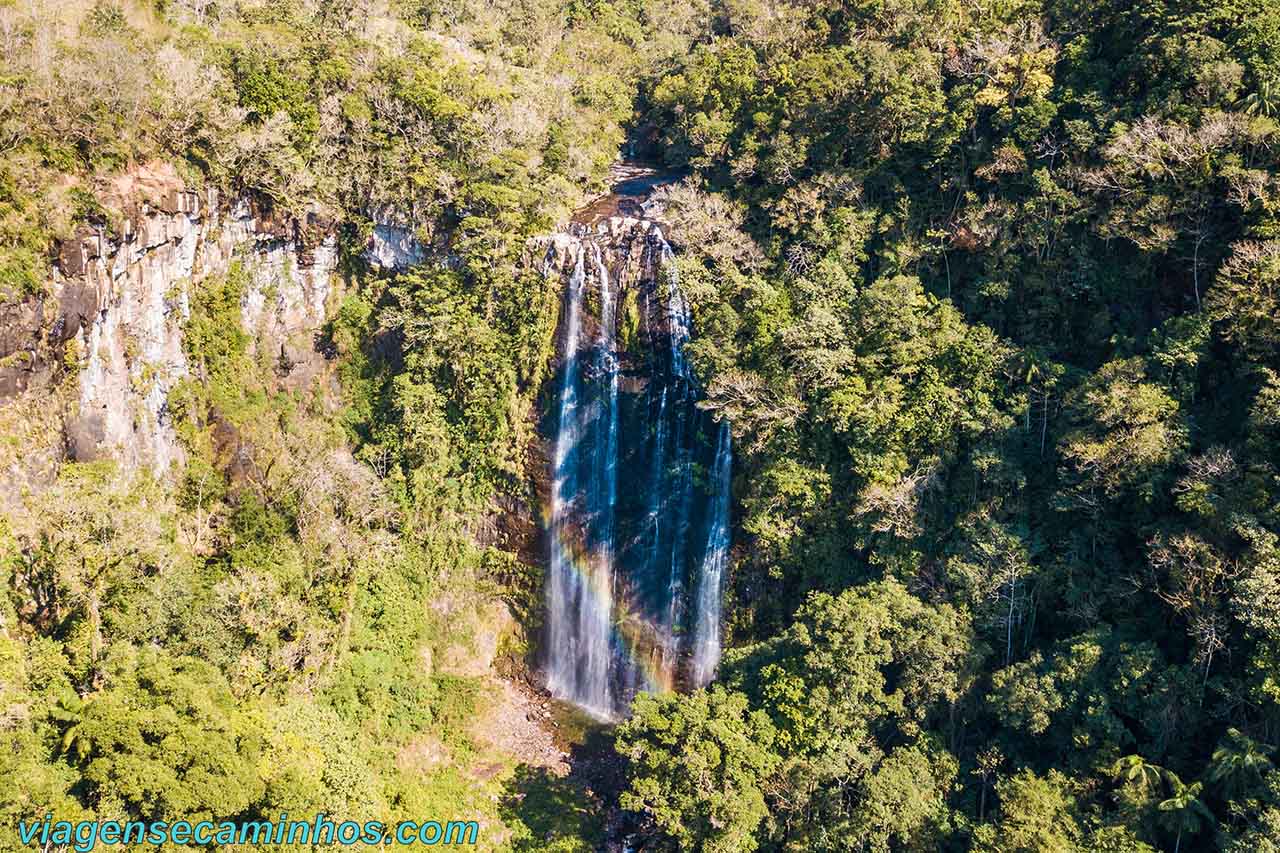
{"x": 118, "y": 307}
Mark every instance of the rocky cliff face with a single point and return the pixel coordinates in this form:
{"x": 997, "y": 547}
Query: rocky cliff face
{"x": 93, "y": 360}
{"x": 634, "y": 522}
{"x": 394, "y": 243}
{"x": 629, "y": 249}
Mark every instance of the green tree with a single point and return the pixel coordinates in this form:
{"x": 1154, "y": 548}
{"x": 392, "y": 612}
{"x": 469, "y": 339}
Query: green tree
{"x": 165, "y": 739}
{"x": 699, "y": 764}
{"x": 1182, "y": 812}
{"x": 1037, "y": 815}
{"x": 1137, "y": 771}
{"x": 1239, "y": 763}
{"x": 873, "y": 655}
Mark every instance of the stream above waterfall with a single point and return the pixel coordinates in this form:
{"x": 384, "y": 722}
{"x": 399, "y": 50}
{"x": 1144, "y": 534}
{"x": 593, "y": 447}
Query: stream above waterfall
{"x": 638, "y": 517}
{"x": 631, "y": 183}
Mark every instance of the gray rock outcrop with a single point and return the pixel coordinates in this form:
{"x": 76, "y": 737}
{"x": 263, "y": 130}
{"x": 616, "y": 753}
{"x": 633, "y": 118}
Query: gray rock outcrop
{"x": 104, "y": 342}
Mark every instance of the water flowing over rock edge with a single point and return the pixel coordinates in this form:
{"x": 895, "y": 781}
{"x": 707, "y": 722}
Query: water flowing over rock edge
{"x": 634, "y": 586}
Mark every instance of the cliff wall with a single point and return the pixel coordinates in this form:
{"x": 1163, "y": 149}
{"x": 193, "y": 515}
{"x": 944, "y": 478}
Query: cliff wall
{"x": 86, "y": 367}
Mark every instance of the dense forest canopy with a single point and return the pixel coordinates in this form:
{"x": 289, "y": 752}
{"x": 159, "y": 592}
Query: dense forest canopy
{"x": 989, "y": 292}
{"x": 993, "y": 313}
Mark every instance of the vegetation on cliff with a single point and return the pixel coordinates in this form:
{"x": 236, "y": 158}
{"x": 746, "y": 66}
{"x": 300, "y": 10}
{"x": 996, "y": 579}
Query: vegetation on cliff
{"x": 987, "y": 290}
{"x": 299, "y": 617}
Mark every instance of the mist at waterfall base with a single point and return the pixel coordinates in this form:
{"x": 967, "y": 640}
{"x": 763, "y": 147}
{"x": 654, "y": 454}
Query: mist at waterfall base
{"x": 639, "y": 504}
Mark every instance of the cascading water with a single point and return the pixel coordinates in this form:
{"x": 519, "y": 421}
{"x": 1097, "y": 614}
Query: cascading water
{"x": 635, "y": 577}
{"x": 581, "y": 624}
{"x": 706, "y": 631}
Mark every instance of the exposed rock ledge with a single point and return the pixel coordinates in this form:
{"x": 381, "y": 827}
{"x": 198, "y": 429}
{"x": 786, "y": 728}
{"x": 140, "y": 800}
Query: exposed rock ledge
{"x": 116, "y": 307}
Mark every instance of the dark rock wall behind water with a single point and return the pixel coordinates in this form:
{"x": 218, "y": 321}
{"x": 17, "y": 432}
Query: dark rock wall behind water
{"x": 638, "y": 515}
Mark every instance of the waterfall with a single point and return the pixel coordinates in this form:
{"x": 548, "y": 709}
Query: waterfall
{"x": 562, "y": 583}
{"x": 678, "y": 323}
{"x": 677, "y": 312}
{"x": 635, "y": 575}
{"x": 580, "y": 583}
{"x": 604, "y": 497}
{"x": 715, "y": 556}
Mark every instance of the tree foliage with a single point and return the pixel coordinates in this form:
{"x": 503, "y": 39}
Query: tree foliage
{"x": 990, "y": 309}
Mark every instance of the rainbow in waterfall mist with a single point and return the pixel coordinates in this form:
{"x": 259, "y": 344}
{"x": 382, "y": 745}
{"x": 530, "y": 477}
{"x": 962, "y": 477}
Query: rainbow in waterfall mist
{"x": 638, "y": 515}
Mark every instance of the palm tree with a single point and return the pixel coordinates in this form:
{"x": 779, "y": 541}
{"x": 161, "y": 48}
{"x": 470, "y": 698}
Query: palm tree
{"x": 1265, "y": 101}
{"x": 1136, "y": 769}
{"x": 1238, "y": 762}
{"x": 1183, "y": 812}
{"x": 69, "y": 711}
